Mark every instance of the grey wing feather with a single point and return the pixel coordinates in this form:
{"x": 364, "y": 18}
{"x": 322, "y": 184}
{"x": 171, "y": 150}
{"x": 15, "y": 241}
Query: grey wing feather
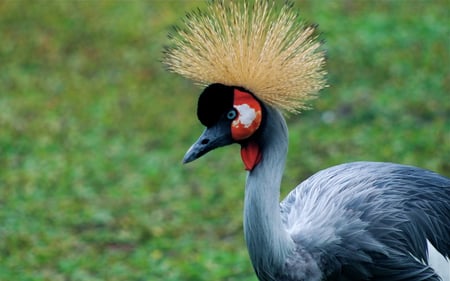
{"x": 371, "y": 220}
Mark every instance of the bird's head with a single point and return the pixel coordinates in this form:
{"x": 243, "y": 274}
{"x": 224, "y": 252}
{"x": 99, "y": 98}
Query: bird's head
{"x": 264, "y": 49}
{"x": 230, "y": 115}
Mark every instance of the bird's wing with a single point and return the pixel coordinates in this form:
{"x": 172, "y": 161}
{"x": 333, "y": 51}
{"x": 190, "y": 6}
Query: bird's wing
{"x": 400, "y": 267}
{"x": 357, "y": 215}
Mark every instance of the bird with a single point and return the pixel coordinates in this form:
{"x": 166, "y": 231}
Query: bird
{"x": 258, "y": 61}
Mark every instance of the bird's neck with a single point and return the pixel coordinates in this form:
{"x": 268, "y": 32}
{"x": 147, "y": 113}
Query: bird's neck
{"x": 267, "y": 240}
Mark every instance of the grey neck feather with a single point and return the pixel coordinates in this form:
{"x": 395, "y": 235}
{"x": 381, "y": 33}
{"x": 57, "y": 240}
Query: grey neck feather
{"x": 267, "y": 241}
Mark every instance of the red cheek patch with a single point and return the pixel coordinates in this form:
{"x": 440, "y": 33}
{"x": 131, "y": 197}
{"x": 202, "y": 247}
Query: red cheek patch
{"x": 249, "y": 115}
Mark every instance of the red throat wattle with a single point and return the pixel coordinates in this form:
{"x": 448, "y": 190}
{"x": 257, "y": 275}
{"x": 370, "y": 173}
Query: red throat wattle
{"x": 251, "y": 155}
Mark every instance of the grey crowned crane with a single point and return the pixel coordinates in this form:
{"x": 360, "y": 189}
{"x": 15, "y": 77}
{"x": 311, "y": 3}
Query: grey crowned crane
{"x": 355, "y": 221}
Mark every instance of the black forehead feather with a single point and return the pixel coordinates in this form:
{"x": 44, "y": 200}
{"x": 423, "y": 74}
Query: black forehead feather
{"x": 213, "y": 102}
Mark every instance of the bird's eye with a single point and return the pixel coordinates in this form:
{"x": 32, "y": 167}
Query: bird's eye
{"x": 231, "y": 114}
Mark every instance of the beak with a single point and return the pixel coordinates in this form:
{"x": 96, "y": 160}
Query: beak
{"x": 213, "y": 137}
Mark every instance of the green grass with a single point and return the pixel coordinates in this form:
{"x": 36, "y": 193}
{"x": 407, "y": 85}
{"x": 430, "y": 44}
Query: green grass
{"x": 93, "y": 130}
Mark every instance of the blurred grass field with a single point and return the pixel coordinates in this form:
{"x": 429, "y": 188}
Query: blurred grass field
{"x": 93, "y": 130}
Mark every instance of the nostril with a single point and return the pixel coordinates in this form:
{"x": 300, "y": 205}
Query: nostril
{"x": 205, "y": 141}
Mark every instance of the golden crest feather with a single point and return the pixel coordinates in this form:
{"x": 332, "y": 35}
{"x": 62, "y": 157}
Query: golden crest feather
{"x": 265, "y": 50}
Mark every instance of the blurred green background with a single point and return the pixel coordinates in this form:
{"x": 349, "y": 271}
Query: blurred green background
{"x": 93, "y": 130}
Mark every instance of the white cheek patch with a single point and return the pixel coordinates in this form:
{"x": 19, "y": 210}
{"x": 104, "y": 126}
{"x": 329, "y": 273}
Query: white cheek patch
{"x": 246, "y": 116}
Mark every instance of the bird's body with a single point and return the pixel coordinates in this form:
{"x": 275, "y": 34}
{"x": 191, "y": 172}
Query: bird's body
{"x": 357, "y": 221}
{"x": 382, "y": 217}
